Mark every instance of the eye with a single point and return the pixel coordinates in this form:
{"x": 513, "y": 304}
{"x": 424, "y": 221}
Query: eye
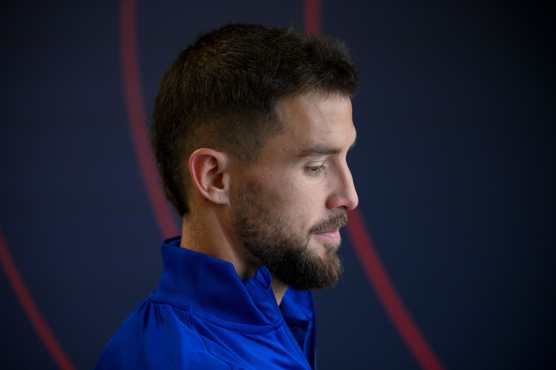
{"x": 315, "y": 170}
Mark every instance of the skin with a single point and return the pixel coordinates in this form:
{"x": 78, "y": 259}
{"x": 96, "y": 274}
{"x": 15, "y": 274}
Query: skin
{"x": 299, "y": 188}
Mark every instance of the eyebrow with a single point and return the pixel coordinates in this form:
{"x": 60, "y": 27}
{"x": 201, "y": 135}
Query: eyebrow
{"x": 319, "y": 149}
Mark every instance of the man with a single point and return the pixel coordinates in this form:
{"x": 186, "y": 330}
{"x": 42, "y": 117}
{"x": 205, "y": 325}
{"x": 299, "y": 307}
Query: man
{"x": 252, "y": 127}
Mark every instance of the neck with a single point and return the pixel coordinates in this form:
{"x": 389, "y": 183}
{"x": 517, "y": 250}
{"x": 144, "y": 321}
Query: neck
{"x": 215, "y": 241}
{"x": 279, "y": 289}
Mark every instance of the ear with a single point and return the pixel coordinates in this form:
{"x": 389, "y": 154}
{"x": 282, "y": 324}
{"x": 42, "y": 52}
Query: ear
{"x": 209, "y": 170}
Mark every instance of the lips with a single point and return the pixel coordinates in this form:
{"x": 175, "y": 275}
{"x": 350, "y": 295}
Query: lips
{"x": 333, "y": 224}
{"x": 328, "y": 232}
{"x": 332, "y": 236}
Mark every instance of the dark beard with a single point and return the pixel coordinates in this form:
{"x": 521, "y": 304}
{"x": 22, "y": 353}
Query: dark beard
{"x": 267, "y": 240}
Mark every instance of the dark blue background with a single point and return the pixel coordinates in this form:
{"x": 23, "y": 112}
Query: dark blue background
{"x": 454, "y": 166}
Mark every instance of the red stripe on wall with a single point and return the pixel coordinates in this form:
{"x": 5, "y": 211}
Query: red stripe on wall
{"x": 137, "y": 122}
{"x": 312, "y": 16}
{"x": 387, "y": 295}
{"x": 31, "y": 310}
{"x": 368, "y": 257}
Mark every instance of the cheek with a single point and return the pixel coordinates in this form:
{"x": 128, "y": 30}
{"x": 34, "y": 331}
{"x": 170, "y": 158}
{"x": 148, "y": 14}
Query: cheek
{"x": 280, "y": 198}
{"x": 299, "y": 206}
{"x": 298, "y": 200}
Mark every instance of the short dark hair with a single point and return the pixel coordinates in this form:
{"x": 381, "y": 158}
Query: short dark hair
{"x": 221, "y": 92}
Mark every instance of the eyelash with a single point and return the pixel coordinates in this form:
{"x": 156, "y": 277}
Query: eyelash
{"x": 315, "y": 170}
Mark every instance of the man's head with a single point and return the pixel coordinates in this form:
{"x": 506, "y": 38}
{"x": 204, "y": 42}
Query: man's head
{"x": 255, "y": 123}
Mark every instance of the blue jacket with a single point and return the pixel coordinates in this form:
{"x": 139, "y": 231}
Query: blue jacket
{"x": 202, "y": 316}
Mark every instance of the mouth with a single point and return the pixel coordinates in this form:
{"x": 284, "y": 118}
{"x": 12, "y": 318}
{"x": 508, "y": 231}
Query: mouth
{"x": 329, "y": 237}
{"x": 328, "y": 232}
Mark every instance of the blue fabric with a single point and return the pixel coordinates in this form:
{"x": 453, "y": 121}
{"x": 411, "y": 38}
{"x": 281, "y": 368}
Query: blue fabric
{"x": 202, "y": 316}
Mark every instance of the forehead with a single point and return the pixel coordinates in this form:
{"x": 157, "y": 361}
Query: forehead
{"x": 314, "y": 119}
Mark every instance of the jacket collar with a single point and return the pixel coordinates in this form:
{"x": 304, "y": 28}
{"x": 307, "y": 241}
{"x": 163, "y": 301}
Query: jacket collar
{"x": 211, "y": 288}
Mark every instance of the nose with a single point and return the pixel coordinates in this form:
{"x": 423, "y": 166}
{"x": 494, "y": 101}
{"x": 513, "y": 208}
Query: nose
{"x": 345, "y": 194}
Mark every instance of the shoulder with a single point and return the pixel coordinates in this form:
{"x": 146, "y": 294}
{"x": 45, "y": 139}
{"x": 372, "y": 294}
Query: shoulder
{"x": 157, "y": 336}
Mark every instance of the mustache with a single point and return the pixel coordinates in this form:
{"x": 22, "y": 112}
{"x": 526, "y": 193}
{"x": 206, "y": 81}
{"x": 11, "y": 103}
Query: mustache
{"x": 334, "y": 222}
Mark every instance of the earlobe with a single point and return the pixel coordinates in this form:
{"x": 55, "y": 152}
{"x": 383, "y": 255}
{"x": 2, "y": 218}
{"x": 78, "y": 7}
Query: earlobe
{"x": 209, "y": 170}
